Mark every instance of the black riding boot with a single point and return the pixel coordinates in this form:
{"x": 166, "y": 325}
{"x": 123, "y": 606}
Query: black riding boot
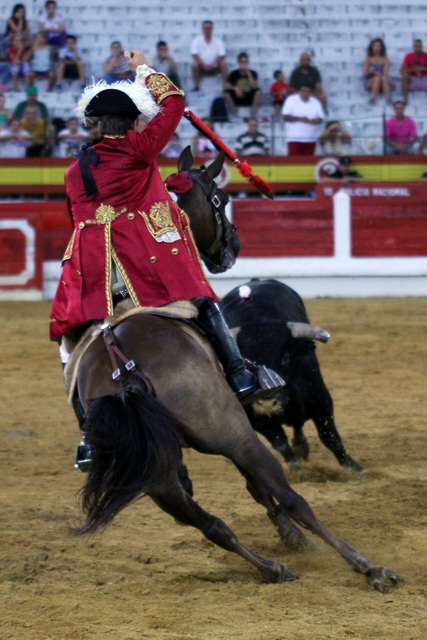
{"x": 83, "y": 452}
{"x": 248, "y": 385}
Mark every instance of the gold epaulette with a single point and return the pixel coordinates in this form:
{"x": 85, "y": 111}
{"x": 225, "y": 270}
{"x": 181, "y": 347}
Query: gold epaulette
{"x": 161, "y": 87}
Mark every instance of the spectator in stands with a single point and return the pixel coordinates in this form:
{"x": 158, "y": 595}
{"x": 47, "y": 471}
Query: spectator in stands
{"x": 414, "y": 70}
{"x": 376, "y": 68}
{"x": 18, "y": 56}
{"x": 302, "y": 113}
{"x": 70, "y": 65}
{"x": 401, "y": 131}
{"x": 36, "y": 127}
{"x": 335, "y": 140}
{"x": 41, "y": 61}
{"x": 344, "y": 174}
{"x": 164, "y": 63}
{"x": 4, "y": 67}
{"x": 14, "y": 140}
{"x": 308, "y": 76}
{"x": 208, "y": 53}
{"x": 202, "y": 147}
{"x": 53, "y": 26}
{"x": 32, "y": 94}
{"x": 241, "y": 88}
{"x": 252, "y": 142}
{"x": 115, "y": 66}
{"x": 280, "y": 90}
{"x": 70, "y": 139}
{"x": 174, "y": 147}
{"x": 17, "y": 24}
{"x": 5, "y": 114}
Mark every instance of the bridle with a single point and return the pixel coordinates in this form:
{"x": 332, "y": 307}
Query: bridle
{"x": 230, "y": 239}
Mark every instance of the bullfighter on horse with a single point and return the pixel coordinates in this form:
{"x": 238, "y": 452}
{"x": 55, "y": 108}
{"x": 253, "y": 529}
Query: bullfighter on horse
{"x": 130, "y": 240}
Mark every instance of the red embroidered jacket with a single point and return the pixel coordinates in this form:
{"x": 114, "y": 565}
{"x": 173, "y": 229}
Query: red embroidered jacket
{"x": 132, "y": 222}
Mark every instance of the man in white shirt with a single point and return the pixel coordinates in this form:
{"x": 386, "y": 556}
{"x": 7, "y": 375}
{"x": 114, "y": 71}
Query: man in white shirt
{"x": 14, "y": 140}
{"x": 302, "y": 113}
{"x": 208, "y": 55}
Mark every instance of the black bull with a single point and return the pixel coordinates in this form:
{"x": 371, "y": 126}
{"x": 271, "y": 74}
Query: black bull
{"x": 259, "y": 314}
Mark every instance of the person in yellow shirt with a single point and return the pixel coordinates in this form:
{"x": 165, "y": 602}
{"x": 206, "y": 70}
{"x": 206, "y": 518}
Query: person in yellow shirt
{"x": 36, "y": 127}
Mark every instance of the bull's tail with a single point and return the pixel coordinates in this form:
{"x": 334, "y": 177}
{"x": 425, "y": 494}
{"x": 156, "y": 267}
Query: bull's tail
{"x": 135, "y": 447}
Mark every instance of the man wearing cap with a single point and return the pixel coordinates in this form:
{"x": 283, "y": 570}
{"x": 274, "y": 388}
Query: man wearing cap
{"x": 32, "y": 93}
{"x": 130, "y": 239}
{"x": 344, "y": 173}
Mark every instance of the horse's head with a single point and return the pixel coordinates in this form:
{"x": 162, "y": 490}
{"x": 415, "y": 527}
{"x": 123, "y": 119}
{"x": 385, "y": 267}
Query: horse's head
{"x": 204, "y": 202}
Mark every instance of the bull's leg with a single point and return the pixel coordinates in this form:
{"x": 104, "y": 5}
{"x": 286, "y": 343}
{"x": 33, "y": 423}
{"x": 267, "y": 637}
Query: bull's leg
{"x": 184, "y": 509}
{"x": 270, "y": 426}
{"x": 265, "y": 471}
{"x": 299, "y": 443}
{"x": 330, "y": 437}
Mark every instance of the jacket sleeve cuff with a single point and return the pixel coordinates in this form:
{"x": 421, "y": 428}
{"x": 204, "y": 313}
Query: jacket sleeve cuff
{"x": 159, "y": 85}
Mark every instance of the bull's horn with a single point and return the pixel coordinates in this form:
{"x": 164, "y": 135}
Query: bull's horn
{"x": 309, "y": 331}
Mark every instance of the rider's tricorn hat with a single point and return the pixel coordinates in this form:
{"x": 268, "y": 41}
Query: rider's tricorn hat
{"x": 124, "y": 97}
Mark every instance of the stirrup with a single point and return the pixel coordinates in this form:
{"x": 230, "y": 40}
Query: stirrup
{"x": 83, "y": 457}
{"x": 268, "y": 382}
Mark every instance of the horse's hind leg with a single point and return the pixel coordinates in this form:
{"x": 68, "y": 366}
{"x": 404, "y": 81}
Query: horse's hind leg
{"x": 184, "y": 509}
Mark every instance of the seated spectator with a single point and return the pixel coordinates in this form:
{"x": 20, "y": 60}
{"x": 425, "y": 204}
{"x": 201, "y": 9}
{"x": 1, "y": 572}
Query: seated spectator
{"x": 115, "y": 66}
{"x": 32, "y": 94}
{"x": 252, "y": 142}
{"x": 173, "y": 148}
{"x": 17, "y": 24}
{"x": 376, "y": 68}
{"x": 41, "y": 61}
{"x": 164, "y": 63}
{"x": 344, "y": 174}
{"x": 414, "y": 70}
{"x": 53, "y": 26}
{"x": 18, "y": 56}
{"x": 280, "y": 90}
{"x": 335, "y": 140}
{"x": 241, "y": 88}
{"x": 4, "y": 67}
{"x": 14, "y": 140}
{"x": 309, "y": 76}
{"x": 5, "y": 114}
{"x": 208, "y": 53}
{"x": 70, "y": 139}
{"x": 401, "y": 131}
{"x": 202, "y": 147}
{"x": 70, "y": 65}
{"x": 36, "y": 127}
{"x": 302, "y": 113}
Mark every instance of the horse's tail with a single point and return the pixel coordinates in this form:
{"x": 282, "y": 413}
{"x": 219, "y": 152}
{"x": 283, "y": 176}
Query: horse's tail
{"x": 135, "y": 447}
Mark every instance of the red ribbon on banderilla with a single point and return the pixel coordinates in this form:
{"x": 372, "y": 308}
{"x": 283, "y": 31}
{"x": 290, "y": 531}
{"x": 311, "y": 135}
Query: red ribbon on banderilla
{"x": 242, "y": 167}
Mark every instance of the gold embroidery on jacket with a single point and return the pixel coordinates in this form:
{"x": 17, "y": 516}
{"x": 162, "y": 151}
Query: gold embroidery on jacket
{"x": 70, "y": 247}
{"x": 159, "y": 219}
{"x": 126, "y": 280}
{"x": 108, "y": 257}
{"x": 105, "y": 213}
{"x": 161, "y": 87}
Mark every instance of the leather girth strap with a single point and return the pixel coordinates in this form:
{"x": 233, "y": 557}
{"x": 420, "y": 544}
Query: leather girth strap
{"x": 115, "y": 353}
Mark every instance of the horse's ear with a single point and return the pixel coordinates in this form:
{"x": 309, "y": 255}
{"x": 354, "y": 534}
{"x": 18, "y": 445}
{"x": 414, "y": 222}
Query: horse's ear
{"x": 185, "y": 160}
{"x": 214, "y": 169}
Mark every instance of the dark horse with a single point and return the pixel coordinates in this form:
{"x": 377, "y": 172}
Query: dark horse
{"x": 137, "y": 425}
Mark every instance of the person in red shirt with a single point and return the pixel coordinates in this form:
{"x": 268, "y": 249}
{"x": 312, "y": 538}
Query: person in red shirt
{"x": 18, "y": 56}
{"x": 130, "y": 239}
{"x": 414, "y": 70}
{"x": 280, "y": 90}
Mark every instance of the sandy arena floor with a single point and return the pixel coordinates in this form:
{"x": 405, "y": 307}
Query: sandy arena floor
{"x": 146, "y": 577}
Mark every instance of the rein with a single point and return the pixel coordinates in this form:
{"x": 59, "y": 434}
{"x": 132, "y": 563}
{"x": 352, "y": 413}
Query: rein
{"x": 228, "y": 229}
{"x": 114, "y": 352}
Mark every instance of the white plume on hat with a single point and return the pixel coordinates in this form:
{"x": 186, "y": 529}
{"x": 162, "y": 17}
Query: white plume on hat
{"x": 137, "y": 91}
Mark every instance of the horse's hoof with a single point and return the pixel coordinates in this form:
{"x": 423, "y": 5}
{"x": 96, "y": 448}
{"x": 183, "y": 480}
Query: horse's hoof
{"x": 383, "y": 579}
{"x": 349, "y": 463}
